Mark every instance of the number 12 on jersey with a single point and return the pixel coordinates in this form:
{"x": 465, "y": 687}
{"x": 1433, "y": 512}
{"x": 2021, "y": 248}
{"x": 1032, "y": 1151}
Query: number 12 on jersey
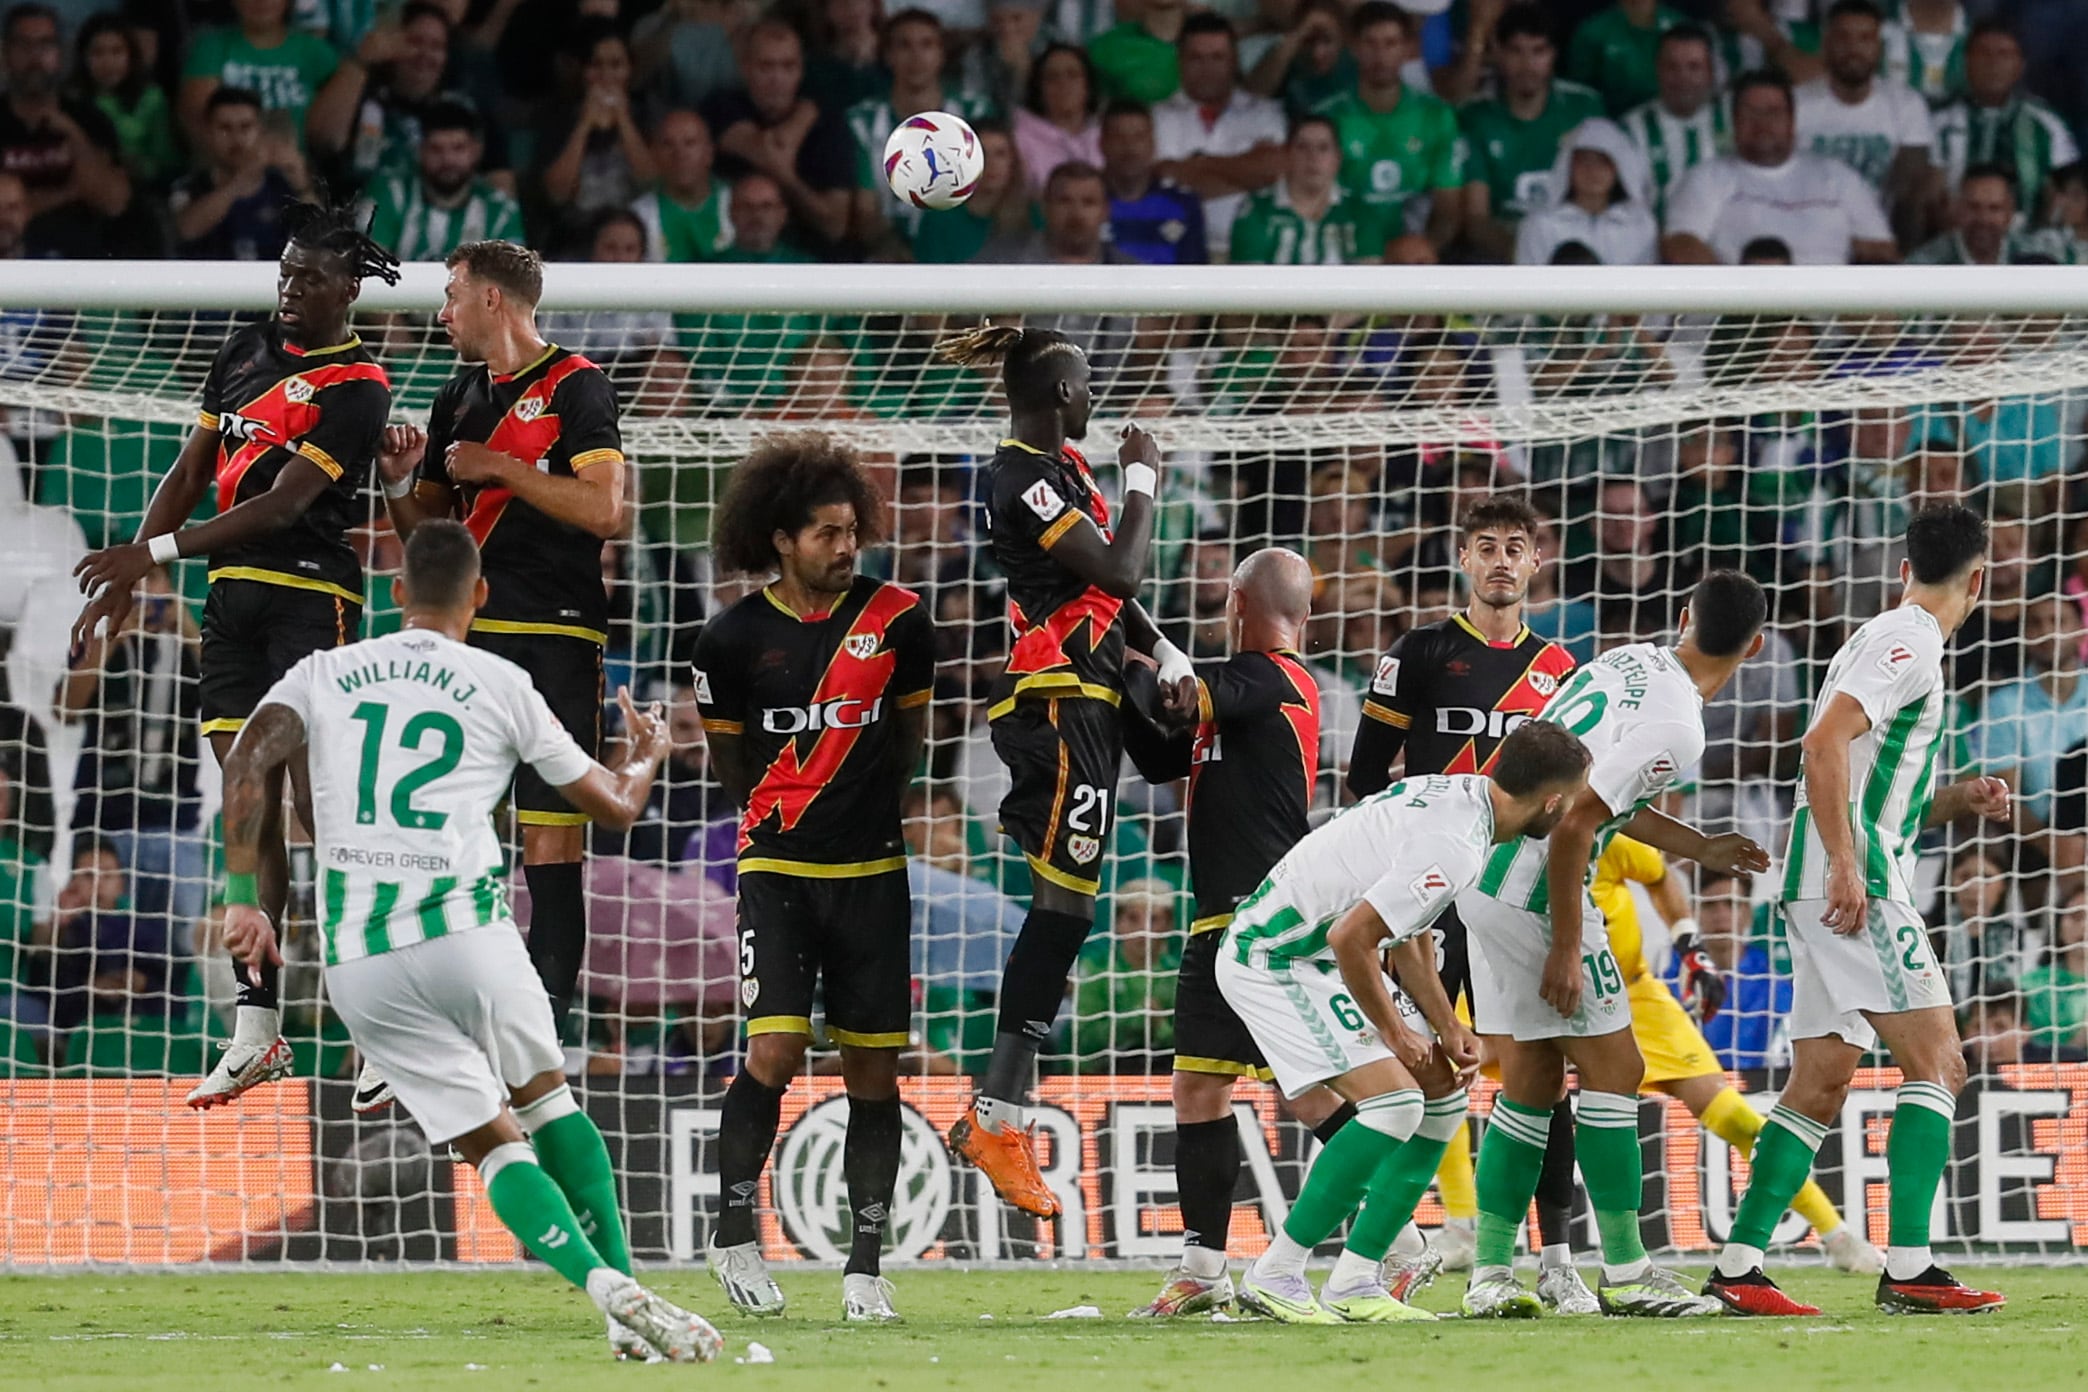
{"x": 448, "y": 752}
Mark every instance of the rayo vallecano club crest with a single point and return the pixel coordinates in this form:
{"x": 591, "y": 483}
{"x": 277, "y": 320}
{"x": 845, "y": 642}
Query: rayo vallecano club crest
{"x": 298, "y": 391}
{"x": 861, "y": 646}
{"x": 529, "y": 408}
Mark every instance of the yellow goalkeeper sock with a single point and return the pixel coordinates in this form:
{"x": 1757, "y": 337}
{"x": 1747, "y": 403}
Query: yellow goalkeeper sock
{"x": 1731, "y": 1120}
{"x": 1454, "y": 1183}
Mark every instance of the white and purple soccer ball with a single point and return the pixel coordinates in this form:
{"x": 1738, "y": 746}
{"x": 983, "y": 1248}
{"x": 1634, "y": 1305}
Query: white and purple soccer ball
{"x": 933, "y": 160}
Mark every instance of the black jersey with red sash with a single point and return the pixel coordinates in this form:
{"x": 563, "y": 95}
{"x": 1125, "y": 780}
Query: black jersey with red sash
{"x": 813, "y": 700}
{"x": 1449, "y": 696}
{"x": 1252, "y": 761}
{"x": 559, "y": 413}
{"x": 1068, "y": 638}
{"x": 270, "y": 401}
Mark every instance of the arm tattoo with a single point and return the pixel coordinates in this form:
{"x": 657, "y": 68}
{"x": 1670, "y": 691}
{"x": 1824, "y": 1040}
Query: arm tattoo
{"x": 271, "y": 737}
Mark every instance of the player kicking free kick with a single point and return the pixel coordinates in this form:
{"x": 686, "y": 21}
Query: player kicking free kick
{"x": 1861, "y": 965}
{"x": 413, "y": 740}
{"x": 1547, "y": 990}
{"x": 1302, "y": 966}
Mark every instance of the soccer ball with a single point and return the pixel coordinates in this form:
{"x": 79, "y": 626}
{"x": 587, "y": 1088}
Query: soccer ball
{"x": 933, "y": 160}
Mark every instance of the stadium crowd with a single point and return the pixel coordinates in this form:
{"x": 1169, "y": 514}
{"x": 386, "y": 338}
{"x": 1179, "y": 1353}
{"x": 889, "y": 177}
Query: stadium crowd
{"x": 1284, "y": 132}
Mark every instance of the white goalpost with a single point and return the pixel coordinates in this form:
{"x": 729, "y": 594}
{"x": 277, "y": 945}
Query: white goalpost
{"x": 1665, "y": 421}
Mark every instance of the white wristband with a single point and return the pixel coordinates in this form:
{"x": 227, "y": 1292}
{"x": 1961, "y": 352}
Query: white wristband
{"x": 1683, "y": 929}
{"x": 163, "y": 548}
{"x": 1174, "y": 664}
{"x": 1140, "y": 478}
{"x": 400, "y": 489}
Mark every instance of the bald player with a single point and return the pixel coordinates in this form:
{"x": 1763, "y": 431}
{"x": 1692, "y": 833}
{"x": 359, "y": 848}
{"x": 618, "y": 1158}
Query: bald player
{"x": 1251, "y": 755}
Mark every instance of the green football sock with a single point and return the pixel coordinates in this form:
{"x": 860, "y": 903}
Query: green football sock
{"x": 1403, "y": 1177}
{"x": 1511, "y": 1155}
{"x": 535, "y": 1210}
{"x": 1606, "y": 1140}
{"x": 1916, "y": 1150}
{"x": 1783, "y": 1157}
{"x": 572, "y": 1152}
{"x": 1344, "y": 1169}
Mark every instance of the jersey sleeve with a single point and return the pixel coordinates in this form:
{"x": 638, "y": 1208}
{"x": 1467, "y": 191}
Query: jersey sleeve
{"x": 1640, "y": 768}
{"x": 587, "y": 420}
{"x": 1388, "y": 713}
{"x": 913, "y": 643}
{"x": 212, "y": 408}
{"x": 721, "y": 693}
{"x": 1027, "y": 504}
{"x": 1239, "y": 688}
{"x": 541, "y": 742}
{"x": 1422, "y": 883}
{"x": 1893, "y": 670}
{"x": 351, "y": 426}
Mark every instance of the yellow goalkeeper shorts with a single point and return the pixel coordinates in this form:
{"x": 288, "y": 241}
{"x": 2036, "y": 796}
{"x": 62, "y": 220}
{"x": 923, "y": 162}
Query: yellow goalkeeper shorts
{"x": 1672, "y": 1044}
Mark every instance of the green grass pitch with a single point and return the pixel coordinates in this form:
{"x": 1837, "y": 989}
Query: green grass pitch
{"x": 512, "y": 1331}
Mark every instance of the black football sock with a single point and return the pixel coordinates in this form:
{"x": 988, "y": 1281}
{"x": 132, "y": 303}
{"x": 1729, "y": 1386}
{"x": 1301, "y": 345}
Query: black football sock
{"x": 746, "y": 1131}
{"x": 1555, "y": 1181}
{"x": 870, "y": 1164}
{"x": 1207, "y": 1168}
{"x": 557, "y": 931}
{"x": 256, "y": 991}
{"x": 1033, "y": 986}
{"x": 1334, "y": 1121}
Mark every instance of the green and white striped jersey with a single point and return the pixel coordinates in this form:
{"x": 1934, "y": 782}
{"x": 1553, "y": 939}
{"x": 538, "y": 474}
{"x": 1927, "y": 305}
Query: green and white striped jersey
{"x": 404, "y": 222}
{"x": 1639, "y": 714}
{"x": 1408, "y": 852}
{"x": 2025, "y": 137}
{"x": 1675, "y": 145}
{"x": 414, "y": 740}
{"x": 1893, "y": 668}
{"x": 1932, "y": 64}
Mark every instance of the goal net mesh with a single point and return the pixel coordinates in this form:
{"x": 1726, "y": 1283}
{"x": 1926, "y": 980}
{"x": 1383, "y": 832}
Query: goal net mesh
{"x": 1656, "y": 447}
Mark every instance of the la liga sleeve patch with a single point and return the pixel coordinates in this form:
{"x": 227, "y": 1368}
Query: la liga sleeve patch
{"x": 1044, "y": 500}
{"x": 1385, "y": 682}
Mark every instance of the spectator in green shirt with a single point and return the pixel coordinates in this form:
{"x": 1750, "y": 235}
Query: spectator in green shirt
{"x": 1615, "y": 52}
{"x": 1511, "y": 139}
{"x": 111, "y": 75}
{"x": 425, "y": 218}
{"x": 915, "y": 51}
{"x": 999, "y": 207}
{"x": 1307, "y": 218}
{"x": 292, "y": 71}
{"x": 741, "y": 361}
{"x": 1306, "y": 65}
{"x": 1994, "y": 122}
{"x": 684, "y": 213}
{"x": 1400, "y": 148}
{"x": 2055, "y": 992}
{"x": 1123, "y": 1009}
{"x": 1136, "y": 60}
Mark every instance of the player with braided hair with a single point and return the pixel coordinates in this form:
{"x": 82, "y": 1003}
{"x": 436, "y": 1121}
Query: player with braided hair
{"x": 293, "y": 412}
{"x": 1072, "y": 587}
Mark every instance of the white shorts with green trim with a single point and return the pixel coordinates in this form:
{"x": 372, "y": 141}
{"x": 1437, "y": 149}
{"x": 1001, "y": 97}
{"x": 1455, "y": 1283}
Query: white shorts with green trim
{"x": 1303, "y": 1019}
{"x": 454, "y": 1024}
{"x": 1887, "y": 969}
{"x": 1510, "y": 947}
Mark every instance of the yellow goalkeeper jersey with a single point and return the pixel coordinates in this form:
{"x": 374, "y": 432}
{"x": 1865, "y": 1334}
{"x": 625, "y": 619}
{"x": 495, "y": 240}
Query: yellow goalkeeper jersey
{"x": 1624, "y": 861}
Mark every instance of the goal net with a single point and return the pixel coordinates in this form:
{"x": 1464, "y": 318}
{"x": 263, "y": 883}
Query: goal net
{"x": 1664, "y": 423}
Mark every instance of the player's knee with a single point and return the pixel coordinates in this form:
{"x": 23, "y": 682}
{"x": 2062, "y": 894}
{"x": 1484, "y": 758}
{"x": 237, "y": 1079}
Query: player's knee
{"x": 1442, "y": 1116}
{"x": 774, "y": 1059}
{"x": 1395, "y": 1114}
{"x": 1201, "y": 1097}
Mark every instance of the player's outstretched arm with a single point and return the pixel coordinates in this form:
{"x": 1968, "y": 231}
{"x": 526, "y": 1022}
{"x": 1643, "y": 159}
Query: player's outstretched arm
{"x": 1986, "y": 797}
{"x": 616, "y": 797}
{"x": 1730, "y": 852}
{"x": 267, "y": 742}
{"x": 108, "y": 576}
